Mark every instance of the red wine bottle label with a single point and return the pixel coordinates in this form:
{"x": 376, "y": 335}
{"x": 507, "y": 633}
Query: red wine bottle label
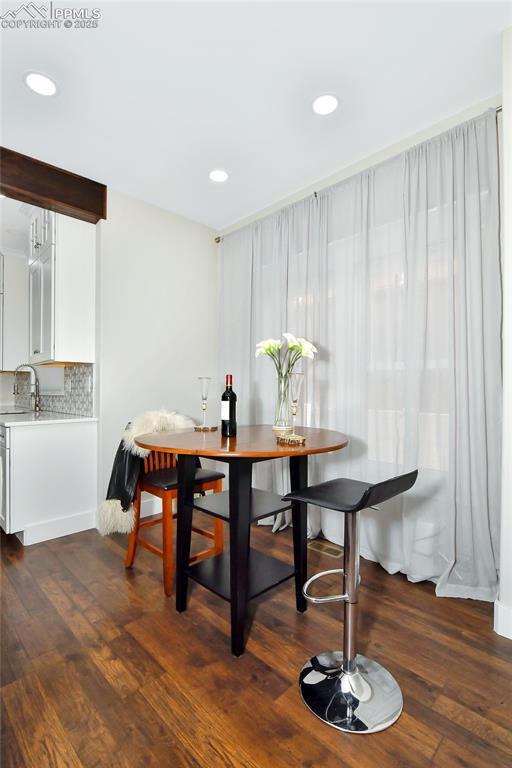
{"x": 224, "y": 410}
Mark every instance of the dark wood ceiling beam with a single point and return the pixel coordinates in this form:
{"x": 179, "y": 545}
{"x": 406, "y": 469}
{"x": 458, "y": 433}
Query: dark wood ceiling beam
{"x": 32, "y": 181}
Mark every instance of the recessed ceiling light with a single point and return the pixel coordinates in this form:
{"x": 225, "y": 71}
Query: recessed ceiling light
{"x": 40, "y": 84}
{"x": 219, "y": 175}
{"x": 324, "y": 105}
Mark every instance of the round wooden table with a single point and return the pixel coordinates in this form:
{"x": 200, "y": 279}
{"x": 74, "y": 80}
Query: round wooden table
{"x": 242, "y": 573}
{"x": 251, "y": 442}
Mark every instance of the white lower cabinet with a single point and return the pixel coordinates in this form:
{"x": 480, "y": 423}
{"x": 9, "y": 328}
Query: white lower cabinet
{"x": 48, "y": 479}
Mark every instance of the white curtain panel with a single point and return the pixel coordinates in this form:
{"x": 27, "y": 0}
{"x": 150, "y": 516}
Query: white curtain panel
{"x": 394, "y": 274}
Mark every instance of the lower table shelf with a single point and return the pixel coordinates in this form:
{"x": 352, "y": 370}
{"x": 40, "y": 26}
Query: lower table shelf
{"x": 265, "y": 572}
{"x": 263, "y": 504}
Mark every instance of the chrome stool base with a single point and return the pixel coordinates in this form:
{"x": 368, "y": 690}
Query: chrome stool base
{"x": 364, "y": 701}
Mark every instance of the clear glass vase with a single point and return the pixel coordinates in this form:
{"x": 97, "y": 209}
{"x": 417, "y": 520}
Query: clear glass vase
{"x": 282, "y": 423}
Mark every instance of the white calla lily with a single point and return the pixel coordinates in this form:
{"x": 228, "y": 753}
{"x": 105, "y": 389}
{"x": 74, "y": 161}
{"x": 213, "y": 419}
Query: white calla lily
{"x": 286, "y": 353}
{"x": 268, "y": 347}
{"x": 292, "y": 342}
{"x": 307, "y": 348}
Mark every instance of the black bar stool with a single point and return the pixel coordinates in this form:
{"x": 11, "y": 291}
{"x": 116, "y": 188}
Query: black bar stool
{"x": 345, "y": 689}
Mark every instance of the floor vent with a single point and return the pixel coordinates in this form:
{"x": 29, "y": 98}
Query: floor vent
{"x": 326, "y": 548}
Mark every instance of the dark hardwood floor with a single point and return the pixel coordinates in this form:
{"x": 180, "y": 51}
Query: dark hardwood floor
{"x": 99, "y": 670}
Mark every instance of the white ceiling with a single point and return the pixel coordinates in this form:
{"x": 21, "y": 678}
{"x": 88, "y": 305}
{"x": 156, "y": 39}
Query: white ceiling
{"x": 161, "y": 93}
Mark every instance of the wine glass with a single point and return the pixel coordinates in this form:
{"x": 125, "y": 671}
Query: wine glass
{"x": 204, "y": 383}
{"x": 296, "y": 380}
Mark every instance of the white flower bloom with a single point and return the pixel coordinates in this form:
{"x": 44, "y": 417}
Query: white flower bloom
{"x": 307, "y": 348}
{"x": 268, "y": 346}
{"x": 292, "y": 342}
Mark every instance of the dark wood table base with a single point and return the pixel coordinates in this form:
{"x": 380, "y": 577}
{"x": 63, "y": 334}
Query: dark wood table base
{"x": 241, "y": 574}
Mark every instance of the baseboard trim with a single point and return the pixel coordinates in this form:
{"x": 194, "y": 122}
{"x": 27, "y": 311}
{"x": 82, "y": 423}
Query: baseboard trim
{"x": 151, "y": 505}
{"x": 503, "y": 619}
{"x": 57, "y": 527}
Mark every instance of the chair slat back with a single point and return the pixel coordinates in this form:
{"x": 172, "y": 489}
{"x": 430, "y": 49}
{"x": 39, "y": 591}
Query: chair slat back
{"x": 158, "y": 460}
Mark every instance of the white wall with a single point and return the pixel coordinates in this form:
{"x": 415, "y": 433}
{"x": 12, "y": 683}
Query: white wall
{"x": 503, "y": 607}
{"x": 157, "y": 317}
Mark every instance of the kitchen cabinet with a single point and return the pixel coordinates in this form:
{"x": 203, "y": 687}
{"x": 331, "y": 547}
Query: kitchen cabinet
{"x": 13, "y": 311}
{"x": 48, "y": 478}
{"x": 35, "y": 285}
{"x": 62, "y": 277}
{"x": 5, "y": 480}
{"x": 42, "y": 231}
{"x": 41, "y": 293}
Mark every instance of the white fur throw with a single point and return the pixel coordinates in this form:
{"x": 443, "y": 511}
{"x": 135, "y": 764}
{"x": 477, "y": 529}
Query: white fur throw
{"x": 153, "y": 421}
{"x": 111, "y": 517}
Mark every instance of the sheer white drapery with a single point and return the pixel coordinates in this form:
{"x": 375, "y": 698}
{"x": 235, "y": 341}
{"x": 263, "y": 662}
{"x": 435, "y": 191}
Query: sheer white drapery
{"x": 394, "y": 274}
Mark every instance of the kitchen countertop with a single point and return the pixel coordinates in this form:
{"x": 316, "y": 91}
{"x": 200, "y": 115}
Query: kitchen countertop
{"x": 25, "y": 419}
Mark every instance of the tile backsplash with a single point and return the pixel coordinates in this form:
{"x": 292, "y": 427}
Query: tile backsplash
{"x": 77, "y": 398}
{"x": 6, "y": 385}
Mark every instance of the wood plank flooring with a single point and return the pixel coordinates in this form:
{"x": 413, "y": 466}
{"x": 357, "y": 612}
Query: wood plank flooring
{"x": 98, "y": 670}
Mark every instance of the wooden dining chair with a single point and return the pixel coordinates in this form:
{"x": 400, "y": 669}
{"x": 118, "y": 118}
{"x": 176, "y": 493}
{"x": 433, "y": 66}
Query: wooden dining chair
{"x": 159, "y": 477}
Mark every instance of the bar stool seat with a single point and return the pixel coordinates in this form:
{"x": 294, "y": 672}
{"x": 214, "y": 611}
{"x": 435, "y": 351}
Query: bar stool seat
{"x": 345, "y": 689}
{"x": 343, "y": 495}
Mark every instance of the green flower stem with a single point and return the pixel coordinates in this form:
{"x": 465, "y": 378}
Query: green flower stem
{"x": 277, "y": 361}
{"x": 286, "y": 363}
{"x": 293, "y": 359}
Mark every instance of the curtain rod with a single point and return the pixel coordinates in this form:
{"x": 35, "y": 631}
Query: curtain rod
{"x": 219, "y": 239}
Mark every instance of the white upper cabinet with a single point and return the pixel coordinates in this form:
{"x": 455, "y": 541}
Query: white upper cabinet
{"x": 62, "y": 289}
{"x": 13, "y": 311}
{"x": 41, "y": 293}
{"x": 42, "y": 232}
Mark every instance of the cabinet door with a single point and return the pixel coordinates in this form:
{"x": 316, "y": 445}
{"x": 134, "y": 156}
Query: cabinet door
{"x": 5, "y": 491}
{"x": 75, "y": 261}
{"x": 62, "y": 289}
{"x": 47, "y": 229}
{"x": 42, "y": 232}
{"x": 34, "y": 241}
{"x": 35, "y": 310}
{"x": 47, "y": 304}
{"x": 41, "y": 290}
{"x": 15, "y": 313}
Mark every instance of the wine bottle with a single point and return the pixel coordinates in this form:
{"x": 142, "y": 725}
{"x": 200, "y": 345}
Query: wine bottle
{"x": 228, "y": 409}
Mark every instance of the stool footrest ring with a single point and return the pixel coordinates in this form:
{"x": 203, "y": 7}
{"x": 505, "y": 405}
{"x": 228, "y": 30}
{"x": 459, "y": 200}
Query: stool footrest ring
{"x": 325, "y": 598}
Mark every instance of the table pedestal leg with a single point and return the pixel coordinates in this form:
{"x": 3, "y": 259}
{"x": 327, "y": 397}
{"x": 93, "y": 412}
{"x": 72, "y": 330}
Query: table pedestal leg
{"x": 186, "y": 480}
{"x": 299, "y": 479}
{"x": 240, "y": 477}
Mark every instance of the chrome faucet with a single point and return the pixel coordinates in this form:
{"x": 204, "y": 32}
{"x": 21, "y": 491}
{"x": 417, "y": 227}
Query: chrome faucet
{"x": 35, "y": 394}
